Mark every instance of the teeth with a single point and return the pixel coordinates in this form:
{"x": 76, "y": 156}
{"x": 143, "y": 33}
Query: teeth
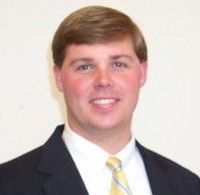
{"x": 104, "y": 101}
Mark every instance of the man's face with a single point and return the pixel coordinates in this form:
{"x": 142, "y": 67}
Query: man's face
{"x": 101, "y": 84}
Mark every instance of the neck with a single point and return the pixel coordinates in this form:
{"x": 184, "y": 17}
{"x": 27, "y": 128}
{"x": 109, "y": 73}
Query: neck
{"x": 113, "y": 144}
{"x": 112, "y": 141}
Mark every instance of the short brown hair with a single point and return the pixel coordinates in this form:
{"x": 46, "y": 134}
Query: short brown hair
{"x": 96, "y": 24}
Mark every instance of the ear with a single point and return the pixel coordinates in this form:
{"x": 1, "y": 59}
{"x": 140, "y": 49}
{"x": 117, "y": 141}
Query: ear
{"x": 58, "y": 77}
{"x": 143, "y": 70}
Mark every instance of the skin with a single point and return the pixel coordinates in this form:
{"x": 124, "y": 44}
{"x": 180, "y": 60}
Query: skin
{"x": 101, "y": 84}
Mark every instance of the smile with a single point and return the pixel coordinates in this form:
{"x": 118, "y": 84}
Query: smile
{"x": 104, "y": 101}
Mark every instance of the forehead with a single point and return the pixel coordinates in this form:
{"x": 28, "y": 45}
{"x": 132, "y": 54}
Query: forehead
{"x": 118, "y": 47}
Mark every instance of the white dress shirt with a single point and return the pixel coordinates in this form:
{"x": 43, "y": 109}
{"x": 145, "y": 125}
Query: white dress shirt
{"x": 90, "y": 160}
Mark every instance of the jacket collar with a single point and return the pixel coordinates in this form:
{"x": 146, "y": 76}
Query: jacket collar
{"x": 157, "y": 170}
{"x": 56, "y": 162}
{"x": 63, "y": 177}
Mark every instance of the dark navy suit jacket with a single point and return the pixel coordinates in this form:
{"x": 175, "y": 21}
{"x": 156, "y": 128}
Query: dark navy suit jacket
{"x": 50, "y": 170}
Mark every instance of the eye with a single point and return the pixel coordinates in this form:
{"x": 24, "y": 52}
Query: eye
{"x": 118, "y": 64}
{"x": 84, "y": 67}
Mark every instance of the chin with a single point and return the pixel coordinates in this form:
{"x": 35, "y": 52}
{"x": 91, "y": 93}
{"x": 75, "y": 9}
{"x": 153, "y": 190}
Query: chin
{"x": 104, "y": 127}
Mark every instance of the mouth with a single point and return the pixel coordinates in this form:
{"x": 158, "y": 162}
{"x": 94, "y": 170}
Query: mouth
{"x": 104, "y": 101}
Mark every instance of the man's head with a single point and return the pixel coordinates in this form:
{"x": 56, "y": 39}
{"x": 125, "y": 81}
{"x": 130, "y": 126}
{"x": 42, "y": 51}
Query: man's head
{"x": 96, "y": 24}
{"x": 100, "y": 64}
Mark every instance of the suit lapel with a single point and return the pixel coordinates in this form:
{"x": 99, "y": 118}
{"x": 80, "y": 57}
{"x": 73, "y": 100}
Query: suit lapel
{"x": 57, "y": 164}
{"x": 63, "y": 177}
{"x": 157, "y": 171}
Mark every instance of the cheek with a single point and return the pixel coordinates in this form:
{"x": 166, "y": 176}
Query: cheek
{"x": 130, "y": 84}
{"x": 75, "y": 88}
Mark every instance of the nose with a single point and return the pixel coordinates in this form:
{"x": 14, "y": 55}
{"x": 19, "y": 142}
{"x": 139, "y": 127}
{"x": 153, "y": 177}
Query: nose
{"x": 103, "y": 79}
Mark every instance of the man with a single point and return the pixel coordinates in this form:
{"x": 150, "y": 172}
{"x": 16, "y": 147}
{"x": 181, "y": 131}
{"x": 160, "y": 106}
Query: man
{"x": 100, "y": 61}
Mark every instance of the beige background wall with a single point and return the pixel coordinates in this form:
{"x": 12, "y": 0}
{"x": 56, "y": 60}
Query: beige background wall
{"x": 168, "y": 114}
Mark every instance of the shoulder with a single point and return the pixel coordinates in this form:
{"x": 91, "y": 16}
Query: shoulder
{"x": 177, "y": 174}
{"x": 19, "y": 172}
{"x": 20, "y": 164}
{"x": 29, "y": 162}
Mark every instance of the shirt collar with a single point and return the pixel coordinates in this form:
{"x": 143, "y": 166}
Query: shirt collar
{"x": 127, "y": 152}
{"x": 93, "y": 153}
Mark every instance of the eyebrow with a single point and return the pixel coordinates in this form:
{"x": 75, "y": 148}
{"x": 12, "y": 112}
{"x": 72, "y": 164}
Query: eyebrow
{"x": 115, "y": 57}
{"x": 80, "y": 59}
{"x": 112, "y": 57}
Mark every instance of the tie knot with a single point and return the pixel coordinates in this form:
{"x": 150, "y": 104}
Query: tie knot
{"x": 114, "y": 163}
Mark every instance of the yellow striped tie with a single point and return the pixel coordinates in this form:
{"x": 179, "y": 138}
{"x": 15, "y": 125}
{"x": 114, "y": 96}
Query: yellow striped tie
{"x": 119, "y": 184}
